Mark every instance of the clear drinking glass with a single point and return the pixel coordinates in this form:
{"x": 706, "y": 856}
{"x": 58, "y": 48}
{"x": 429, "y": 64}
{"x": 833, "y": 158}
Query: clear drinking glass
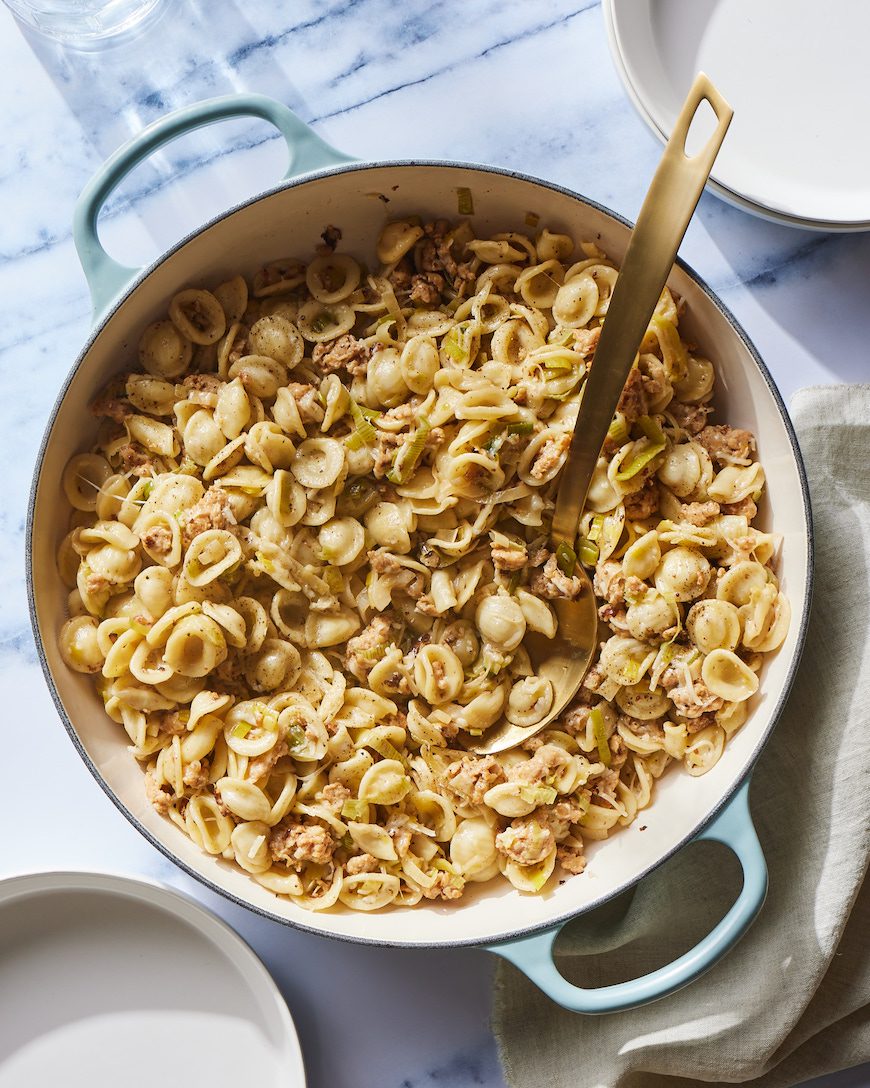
{"x": 86, "y": 24}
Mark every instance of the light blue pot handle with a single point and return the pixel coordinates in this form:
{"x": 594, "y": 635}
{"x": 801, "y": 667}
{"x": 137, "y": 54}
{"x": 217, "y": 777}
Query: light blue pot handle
{"x": 534, "y": 955}
{"x": 106, "y": 277}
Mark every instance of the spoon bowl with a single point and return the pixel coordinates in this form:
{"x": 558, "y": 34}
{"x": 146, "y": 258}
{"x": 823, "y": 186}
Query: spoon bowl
{"x": 563, "y": 660}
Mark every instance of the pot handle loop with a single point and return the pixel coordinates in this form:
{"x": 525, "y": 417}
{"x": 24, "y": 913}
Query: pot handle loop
{"x": 534, "y": 955}
{"x": 107, "y": 277}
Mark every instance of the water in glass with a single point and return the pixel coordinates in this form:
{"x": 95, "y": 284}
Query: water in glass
{"x": 83, "y": 23}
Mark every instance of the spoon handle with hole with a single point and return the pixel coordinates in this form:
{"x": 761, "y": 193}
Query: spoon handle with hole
{"x": 673, "y": 195}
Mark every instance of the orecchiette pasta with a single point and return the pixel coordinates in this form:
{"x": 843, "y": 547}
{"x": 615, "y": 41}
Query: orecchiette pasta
{"x": 306, "y": 552}
{"x": 198, "y": 316}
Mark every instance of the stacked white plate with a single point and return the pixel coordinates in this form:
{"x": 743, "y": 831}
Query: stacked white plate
{"x": 796, "y": 73}
{"x": 108, "y": 980}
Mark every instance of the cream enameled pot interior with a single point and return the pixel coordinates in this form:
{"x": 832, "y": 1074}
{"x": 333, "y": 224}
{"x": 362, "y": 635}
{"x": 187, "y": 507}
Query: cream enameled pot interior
{"x": 289, "y": 222}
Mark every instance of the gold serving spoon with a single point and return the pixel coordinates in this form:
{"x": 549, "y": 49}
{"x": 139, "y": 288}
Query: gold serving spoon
{"x": 669, "y": 205}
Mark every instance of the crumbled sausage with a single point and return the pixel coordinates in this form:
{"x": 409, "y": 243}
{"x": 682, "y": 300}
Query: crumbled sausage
{"x": 742, "y": 547}
{"x": 552, "y": 582}
{"x": 173, "y": 722}
{"x": 361, "y": 653}
{"x": 134, "y": 459}
{"x": 609, "y": 582}
{"x": 703, "y": 721}
{"x": 397, "y": 683}
{"x": 439, "y": 675}
{"x": 571, "y": 858}
{"x": 411, "y": 583}
{"x": 586, "y": 340}
{"x": 196, "y": 775}
{"x": 635, "y": 589}
{"x": 362, "y": 863}
{"x": 300, "y": 843}
{"x": 526, "y": 841}
{"x": 398, "y": 830}
{"x": 606, "y": 782}
{"x": 575, "y": 719}
{"x": 550, "y": 456}
{"x": 470, "y": 778}
{"x": 223, "y": 807}
{"x": 156, "y": 794}
{"x": 428, "y": 256}
{"x": 691, "y": 417}
{"x": 618, "y": 751}
{"x": 333, "y": 796}
{"x": 547, "y": 762}
{"x": 670, "y": 677}
{"x": 727, "y": 445}
{"x": 344, "y": 353}
{"x": 308, "y": 401}
{"x": 263, "y": 765}
{"x": 427, "y": 606}
{"x": 403, "y": 414}
{"x": 594, "y": 678}
{"x": 239, "y": 346}
{"x": 382, "y": 561}
{"x": 561, "y": 817}
{"x": 203, "y": 383}
{"x": 745, "y": 508}
{"x": 96, "y": 583}
{"x": 196, "y": 312}
{"x": 539, "y": 556}
{"x": 435, "y": 255}
{"x": 157, "y": 539}
{"x": 213, "y": 511}
{"x": 385, "y": 450}
{"x": 509, "y": 557}
{"x": 699, "y": 513}
{"x": 446, "y": 886}
{"x": 401, "y": 276}
{"x": 690, "y": 705}
{"x": 615, "y": 618}
{"x": 426, "y": 287}
{"x": 632, "y": 402}
{"x": 642, "y": 504}
{"x": 655, "y": 380}
{"x": 435, "y": 437}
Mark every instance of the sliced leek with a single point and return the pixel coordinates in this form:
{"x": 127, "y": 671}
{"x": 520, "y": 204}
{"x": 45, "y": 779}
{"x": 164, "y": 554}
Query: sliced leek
{"x": 408, "y": 456}
{"x": 566, "y": 558}
{"x": 599, "y": 732}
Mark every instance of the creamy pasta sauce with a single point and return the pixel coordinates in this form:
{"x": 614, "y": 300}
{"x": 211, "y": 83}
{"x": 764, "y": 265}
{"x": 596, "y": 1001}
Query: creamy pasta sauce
{"x": 313, "y": 534}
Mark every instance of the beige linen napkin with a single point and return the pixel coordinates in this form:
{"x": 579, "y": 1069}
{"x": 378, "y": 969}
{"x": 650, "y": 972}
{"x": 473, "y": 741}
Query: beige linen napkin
{"x": 792, "y": 1001}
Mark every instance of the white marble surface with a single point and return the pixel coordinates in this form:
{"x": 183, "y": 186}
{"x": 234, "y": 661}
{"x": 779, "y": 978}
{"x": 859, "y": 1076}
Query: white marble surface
{"x": 502, "y": 81}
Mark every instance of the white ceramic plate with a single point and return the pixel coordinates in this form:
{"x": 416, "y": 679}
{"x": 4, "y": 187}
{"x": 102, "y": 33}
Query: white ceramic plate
{"x": 115, "y": 981}
{"x": 798, "y": 149}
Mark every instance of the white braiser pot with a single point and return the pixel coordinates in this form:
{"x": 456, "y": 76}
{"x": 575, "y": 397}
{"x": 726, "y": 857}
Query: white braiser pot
{"x": 323, "y": 187}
